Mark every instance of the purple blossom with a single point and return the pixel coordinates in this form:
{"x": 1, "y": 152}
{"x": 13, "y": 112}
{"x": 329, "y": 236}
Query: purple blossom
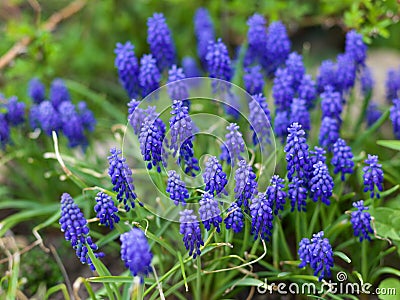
{"x": 395, "y": 117}
{"x": 355, "y": 47}
{"x": 15, "y": 111}
{"x": 191, "y": 232}
{"x": 329, "y": 132}
{"x": 58, "y": 93}
{"x": 299, "y": 113}
{"x": 260, "y": 120}
{"x": 372, "y": 114}
{"x": 326, "y": 75}
{"x": 214, "y": 177}
{"x": 261, "y": 217}
{"x": 233, "y": 146}
{"x": 307, "y": 91}
{"x": 295, "y": 67}
{"x": 316, "y": 155}
{"x": 361, "y": 221}
{"x": 346, "y": 72}
{"x": 176, "y": 188}
{"x": 253, "y": 80}
{"x": 321, "y": 183}
{"x": 218, "y": 64}
{"x": 373, "y": 176}
{"x": 282, "y": 89}
{"x": 177, "y": 86}
{"x": 392, "y": 85}
{"x": 297, "y": 194}
{"x": 87, "y": 118}
{"x": 72, "y": 125}
{"x": 367, "y": 81}
{"x": 276, "y": 197}
{"x": 342, "y": 158}
{"x": 190, "y": 67}
{"x": 149, "y": 75}
{"x": 204, "y": 31}
{"x": 4, "y": 131}
{"x": 106, "y": 211}
{"x": 245, "y": 184}
{"x": 281, "y": 123}
{"x": 209, "y": 211}
{"x": 36, "y": 90}
{"x": 151, "y": 141}
{"x": 331, "y": 103}
{"x": 47, "y": 117}
{"x": 256, "y": 38}
{"x": 234, "y": 218}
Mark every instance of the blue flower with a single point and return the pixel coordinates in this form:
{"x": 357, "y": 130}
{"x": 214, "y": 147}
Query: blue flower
{"x": 245, "y": 184}
{"x": 372, "y": 114}
{"x": 177, "y": 87}
{"x": 321, "y": 183}
{"x": 72, "y": 125}
{"x": 190, "y": 229}
{"x": 329, "y": 132}
{"x": 281, "y": 124}
{"x": 308, "y": 91}
{"x": 298, "y": 194}
{"x": 74, "y": 226}
{"x": 373, "y": 176}
{"x": 190, "y": 67}
{"x": 295, "y": 67}
{"x": 346, "y": 72}
{"x": 15, "y": 111}
{"x": 296, "y": 150}
{"x": 361, "y": 221}
{"x": 149, "y": 75}
{"x": 355, "y": 47}
{"x": 160, "y": 40}
{"x": 275, "y": 195}
{"x": 4, "y": 131}
{"x": 260, "y": 120}
{"x": 261, "y": 217}
{"x": 176, "y": 188}
{"x": 318, "y": 254}
{"x": 253, "y": 80}
{"x": 186, "y": 158}
{"x": 58, "y": 93}
{"x": 331, "y": 103}
{"x": 233, "y": 146}
{"x": 299, "y": 113}
{"x": 151, "y": 140}
{"x": 121, "y": 178}
{"x": 87, "y": 118}
{"x": 48, "y": 118}
{"x": 316, "y": 155}
{"x": 218, "y": 64}
{"x": 182, "y": 126}
{"x": 214, "y": 178}
{"x": 209, "y": 211}
{"x": 342, "y": 158}
{"x": 257, "y": 40}
{"x": 282, "y": 89}
{"x": 135, "y": 252}
{"x": 367, "y": 81}
{"x": 234, "y": 218}
{"x": 106, "y": 211}
{"x": 128, "y": 68}
{"x": 395, "y": 117}
{"x": 36, "y": 90}
{"x": 392, "y": 85}
{"x": 326, "y": 75}
{"x": 277, "y": 49}
{"x": 204, "y": 31}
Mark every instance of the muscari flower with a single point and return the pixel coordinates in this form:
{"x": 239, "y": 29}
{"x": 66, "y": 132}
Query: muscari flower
{"x": 36, "y": 90}
{"x": 187, "y": 159}
{"x": 190, "y": 67}
{"x": 253, "y": 80}
{"x": 299, "y": 113}
{"x": 282, "y": 89}
{"x": 367, "y": 81}
{"x": 321, "y": 183}
{"x": 106, "y": 211}
{"x": 135, "y": 252}
{"x": 214, "y": 178}
{"x": 318, "y": 254}
{"x": 296, "y": 150}
{"x": 329, "y": 132}
{"x": 395, "y": 117}
{"x": 15, "y": 111}
{"x": 294, "y": 65}
{"x": 307, "y": 91}
{"x": 121, "y": 178}
{"x": 346, "y": 72}
{"x": 355, "y": 47}
{"x": 74, "y": 226}
{"x": 260, "y": 120}
{"x": 316, "y": 155}
{"x": 372, "y": 114}
{"x": 276, "y": 197}
{"x": 373, "y": 176}
{"x": 47, "y": 117}
{"x": 361, "y": 221}
{"x": 297, "y": 194}
{"x": 281, "y": 124}
{"x": 4, "y": 131}
{"x": 149, "y": 75}
{"x": 190, "y": 229}
{"x": 204, "y": 31}
{"x": 331, "y": 103}
{"x": 392, "y": 85}
{"x": 234, "y": 218}
{"x": 177, "y": 87}
{"x": 87, "y": 118}
{"x": 277, "y": 49}
{"x": 256, "y": 38}
{"x": 326, "y": 75}
{"x": 58, "y": 93}
{"x": 261, "y": 217}
{"x": 342, "y": 158}
{"x": 233, "y": 146}
{"x": 218, "y": 64}
{"x": 176, "y": 188}
{"x": 128, "y": 68}
{"x": 209, "y": 211}
{"x": 245, "y": 184}
{"x": 160, "y": 40}
{"x": 182, "y": 127}
{"x": 72, "y": 125}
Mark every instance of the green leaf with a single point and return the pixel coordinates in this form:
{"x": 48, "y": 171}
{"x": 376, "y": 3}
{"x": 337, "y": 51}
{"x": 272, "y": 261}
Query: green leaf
{"x": 392, "y": 144}
{"x": 387, "y": 222}
{"x": 342, "y": 256}
{"x": 111, "y": 279}
{"x": 389, "y": 288}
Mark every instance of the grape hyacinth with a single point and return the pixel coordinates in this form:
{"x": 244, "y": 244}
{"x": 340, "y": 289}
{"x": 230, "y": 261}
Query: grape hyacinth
{"x": 160, "y": 40}
{"x": 151, "y": 140}
{"x": 392, "y": 85}
{"x": 128, "y": 68}
{"x": 331, "y": 103}
{"x": 299, "y": 113}
{"x": 214, "y": 178}
{"x": 297, "y": 194}
{"x": 234, "y": 218}
{"x": 355, "y": 47}
{"x": 296, "y": 150}
{"x": 245, "y": 184}
{"x": 329, "y": 132}
{"x": 281, "y": 123}
{"x": 187, "y": 159}
{"x": 15, "y": 111}
{"x": 87, "y": 118}
{"x": 261, "y": 217}
{"x": 176, "y": 188}
{"x": 346, "y": 72}
{"x": 121, "y": 178}
{"x": 373, "y": 176}
{"x": 367, "y": 82}
{"x": 282, "y": 89}
{"x": 72, "y": 126}
{"x": 182, "y": 126}
{"x": 256, "y": 38}
{"x": 58, "y": 93}
{"x": 177, "y": 87}
{"x": 209, "y": 211}
{"x": 36, "y": 91}
{"x": 276, "y": 197}
{"x": 342, "y": 158}
{"x": 260, "y": 120}
{"x": 372, "y": 114}
{"x": 190, "y": 67}
{"x": 326, "y": 75}
{"x": 294, "y": 65}
{"x": 135, "y": 252}
{"x": 48, "y": 118}
{"x": 321, "y": 183}
{"x": 218, "y": 64}
{"x": 253, "y": 80}
{"x": 318, "y": 253}
{"x": 307, "y": 91}
{"x": 106, "y": 211}
{"x": 4, "y": 131}
{"x": 395, "y": 117}
{"x": 74, "y": 226}
{"x": 149, "y": 75}
{"x": 316, "y": 155}
{"x": 233, "y": 146}
{"x": 204, "y": 31}
{"x": 190, "y": 229}
{"x": 361, "y": 221}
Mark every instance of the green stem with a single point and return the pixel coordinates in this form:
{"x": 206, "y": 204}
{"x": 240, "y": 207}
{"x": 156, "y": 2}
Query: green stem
{"x": 364, "y": 260}
{"x": 314, "y": 219}
{"x": 246, "y": 236}
{"x": 284, "y": 244}
{"x": 363, "y": 112}
{"x": 197, "y": 295}
{"x": 275, "y": 247}
{"x": 297, "y": 229}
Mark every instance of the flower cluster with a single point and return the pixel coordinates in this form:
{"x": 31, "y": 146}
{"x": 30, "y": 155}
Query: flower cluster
{"x": 176, "y": 188}
{"x": 361, "y": 221}
{"x": 149, "y": 75}
{"x": 210, "y": 214}
{"x": 204, "y": 31}
{"x": 106, "y": 211}
{"x": 254, "y": 80}
{"x": 260, "y": 120}
{"x": 177, "y": 87}
{"x": 257, "y": 40}
{"x": 395, "y": 117}
{"x": 233, "y": 146}
{"x": 297, "y": 194}
{"x": 392, "y": 85}
{"x": 276, "y": 197}
{"x": 261, "y": 217}
{"x": 14, "y": 115}
{"x": 234, "y": 218}
{"x": 214, "y": 177}
{"x": 342, "y": 158}
{"x": 246, "y": 184}
{"x": 321, "y": 183}
{"x": 373, "y": 176}
{"x": 191, "y": 232}
{"x": 218, "y": 64}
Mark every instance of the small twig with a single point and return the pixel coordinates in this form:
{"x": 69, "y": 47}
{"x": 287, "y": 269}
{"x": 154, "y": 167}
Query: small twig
{"x": 162, "y": 297}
